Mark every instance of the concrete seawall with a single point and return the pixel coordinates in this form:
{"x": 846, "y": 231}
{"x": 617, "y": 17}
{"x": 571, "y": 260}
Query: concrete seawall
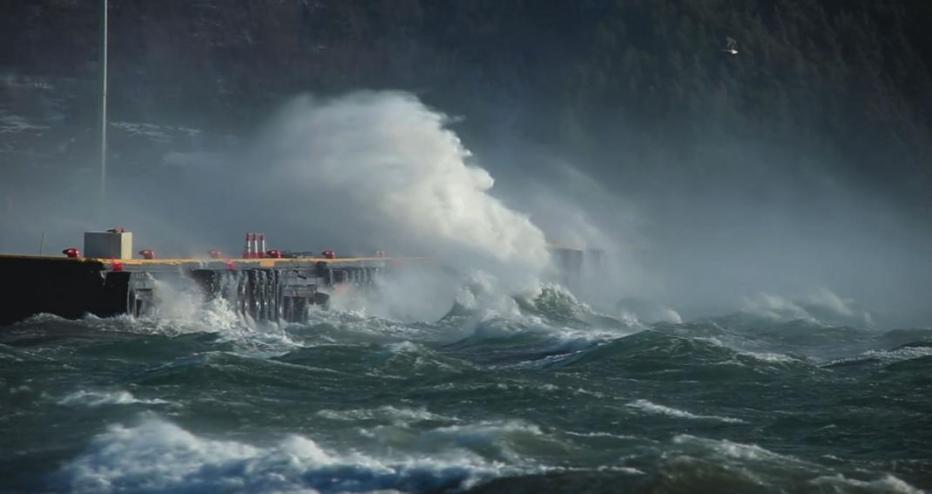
{"x": 264, "y": 289}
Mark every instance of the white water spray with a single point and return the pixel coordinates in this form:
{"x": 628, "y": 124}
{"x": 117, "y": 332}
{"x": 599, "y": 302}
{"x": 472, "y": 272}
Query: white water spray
{"x": 383, "y": 169}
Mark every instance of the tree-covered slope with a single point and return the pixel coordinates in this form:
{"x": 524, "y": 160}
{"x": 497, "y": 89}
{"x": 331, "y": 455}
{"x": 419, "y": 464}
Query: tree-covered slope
{"x": 589, "y": 79}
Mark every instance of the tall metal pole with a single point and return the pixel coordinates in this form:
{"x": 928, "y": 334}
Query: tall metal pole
{"x": 103, "y": 111}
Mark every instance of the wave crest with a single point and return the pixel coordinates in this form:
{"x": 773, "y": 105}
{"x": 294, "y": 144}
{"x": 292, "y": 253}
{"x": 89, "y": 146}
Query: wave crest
{"x": 158, "y": 456}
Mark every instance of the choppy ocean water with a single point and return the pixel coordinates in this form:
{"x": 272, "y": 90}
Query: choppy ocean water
{"x": 548, "y": 398}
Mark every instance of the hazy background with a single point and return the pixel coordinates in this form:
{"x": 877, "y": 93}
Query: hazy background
{"x": 798, "y": 169}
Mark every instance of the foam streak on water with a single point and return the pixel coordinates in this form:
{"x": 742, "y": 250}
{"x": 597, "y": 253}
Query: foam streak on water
{"x": 650, "y": 407}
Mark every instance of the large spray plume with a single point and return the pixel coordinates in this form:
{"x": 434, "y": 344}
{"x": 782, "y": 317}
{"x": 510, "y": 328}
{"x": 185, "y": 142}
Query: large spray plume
{"x": 379, "y": 170}
{"x": 375, "y": 171}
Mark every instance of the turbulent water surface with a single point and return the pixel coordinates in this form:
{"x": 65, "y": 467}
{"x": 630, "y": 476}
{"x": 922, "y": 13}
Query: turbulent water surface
{"x": 550, "y": 398}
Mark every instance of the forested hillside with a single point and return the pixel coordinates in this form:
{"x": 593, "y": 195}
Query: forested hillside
{"x": 587, "y": 80}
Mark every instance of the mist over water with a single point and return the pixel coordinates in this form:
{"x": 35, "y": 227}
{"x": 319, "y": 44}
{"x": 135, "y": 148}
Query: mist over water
{"x": 381, "y": 170}
{"x": 696, "y": 358}
{"x": 704, "y": 233}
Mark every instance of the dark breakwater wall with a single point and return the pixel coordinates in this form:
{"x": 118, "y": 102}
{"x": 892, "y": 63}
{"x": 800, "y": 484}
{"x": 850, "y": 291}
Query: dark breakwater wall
{"x": 262, "y": 290}
{"x": 64, "y": 287}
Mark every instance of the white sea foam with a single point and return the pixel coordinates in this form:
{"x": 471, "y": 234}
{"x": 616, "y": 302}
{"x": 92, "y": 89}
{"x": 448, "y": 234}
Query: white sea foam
{"x": 651, "y": 407}
{"x": 620, "y": 469}
{"x": 180, "y": 307}
{"x": 506, "y": 441}
{"x": 93, "y": 398}
{"x": 735, "y": 451}
{"x": 489, "y": 429}
{"x": 777, "y": 358}
{"x": 584, "y": 391}
{"x": 606, "y": 435}
{"x": 770, "y": 357}
{"x": 158, "y": 456}
{"x": 499, "y": 440}
{"x": 549, "y": 388}
{"x": 889, "y": 356}
{"x": 405, "y": 346}
{"x": 887, "y": 484}
{"x": 398, "y": 416}
{"x": 899, "y": 354}
{"x": 359, "y": 322}
{"x": 711, "y": 339}
{"x": 484, "y": 299}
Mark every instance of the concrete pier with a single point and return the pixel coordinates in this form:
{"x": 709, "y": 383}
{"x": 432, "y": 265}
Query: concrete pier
{"x": 263, "y": 289}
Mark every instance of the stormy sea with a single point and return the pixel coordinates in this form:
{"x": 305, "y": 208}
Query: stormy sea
{"x": 533, "y": 393}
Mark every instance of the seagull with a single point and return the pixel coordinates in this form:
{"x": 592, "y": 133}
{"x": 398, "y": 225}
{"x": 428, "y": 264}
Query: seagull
{"x": 731, "y": 46}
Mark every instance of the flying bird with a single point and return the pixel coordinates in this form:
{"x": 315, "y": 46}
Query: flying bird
{"x": 731, "y": 46}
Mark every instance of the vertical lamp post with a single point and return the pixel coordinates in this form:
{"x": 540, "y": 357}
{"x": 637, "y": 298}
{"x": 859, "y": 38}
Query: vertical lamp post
{"x": 102, "y": 199}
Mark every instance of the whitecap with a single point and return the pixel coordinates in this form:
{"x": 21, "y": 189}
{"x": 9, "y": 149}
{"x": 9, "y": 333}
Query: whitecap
{"x": 94, "y": 398}
{"x": 597, "y": 434}
{"x": 651, "y": 407}
{"x": 772, "y": 357}
{"x": 620, "y": 469}
{"x": 888, "y": 356}
{"x": 398, "y": 416}
{"x": 405, "y": 346}
{"x": 483, "y": 432}
{"x": 888, "y": 484}
{"x": 711, "y": 339}
{"x": 501, "y": 440}
{"x": 899, "y": 354}
{"x": 158, "y": 456}
{"x": 739, "y": 451}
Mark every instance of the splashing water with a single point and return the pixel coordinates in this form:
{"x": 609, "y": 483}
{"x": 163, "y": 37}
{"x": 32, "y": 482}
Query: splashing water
{"x": 537, "y": 392}
{"x": 384, "y": 163}
{"x": 455, "y": 383}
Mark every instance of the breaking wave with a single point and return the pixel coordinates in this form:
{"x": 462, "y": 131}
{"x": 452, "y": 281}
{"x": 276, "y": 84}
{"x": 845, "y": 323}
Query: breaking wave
{"x": 651, "y": 407}
{"x": 505, "y": 393}
{"x": 158, "y": 456}
{"x": 822, "y": 306}
{"x": 98, "y": 398}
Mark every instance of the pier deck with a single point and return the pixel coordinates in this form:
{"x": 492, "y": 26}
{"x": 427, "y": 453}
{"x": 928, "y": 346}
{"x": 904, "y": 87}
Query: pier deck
{"x": 263, "y": 289}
